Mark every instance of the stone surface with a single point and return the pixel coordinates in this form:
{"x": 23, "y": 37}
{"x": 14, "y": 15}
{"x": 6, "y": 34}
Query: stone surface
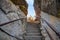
{"x": 12, "y": 16}
{"x": 7, "y": 6}
{"x": 4, "y": 36}
{"x": 3, "y": 17}
{"x": 37, "y": 7}
{"x": 32, "y": 32}
{"x": 14, "y": 28}
{"x": 44, "y": 33}
{"x": 9, "y": 12}
{"x": 54, "y": 21}
{"x": 22, "y": 5}
{"x": 51, "y": 7}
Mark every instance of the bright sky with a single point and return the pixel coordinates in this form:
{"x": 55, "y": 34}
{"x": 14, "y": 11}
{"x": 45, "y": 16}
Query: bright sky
{"x": 30, "y": 8}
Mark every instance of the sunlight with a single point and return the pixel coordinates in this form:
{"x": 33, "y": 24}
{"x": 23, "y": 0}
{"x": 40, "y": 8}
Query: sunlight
{"x": 31, "y": 12}
{"x": 33, "y": 16}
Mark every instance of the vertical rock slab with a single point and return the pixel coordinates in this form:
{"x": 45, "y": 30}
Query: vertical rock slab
{"x": 4, "y": 36}
{"x": 37, "y": 7}
{"x": 22, "y": 5}
{"x": 9, "y": 12}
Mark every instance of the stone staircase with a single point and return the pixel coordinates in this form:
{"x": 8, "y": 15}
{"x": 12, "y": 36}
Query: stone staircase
{"x": 33, "y": 32}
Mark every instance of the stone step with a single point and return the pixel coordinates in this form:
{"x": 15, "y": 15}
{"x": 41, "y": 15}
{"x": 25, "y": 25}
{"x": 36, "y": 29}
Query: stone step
{"x": 32, "y": 37}
{"x": 33, "y": 28}
{"x": 33, "y": 34}
{"x": 33, "y": 31}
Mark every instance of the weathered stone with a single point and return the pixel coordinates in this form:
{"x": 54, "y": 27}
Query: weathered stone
{"x": 22, "y": 5}
{"x": 51, "y": 7}
{"x": 55, "y": 25}
{"x": 37, "y": 7}
{"x": 12, "y": 16}
{"x": 7, "y": 6}
{"x": 4, "y": 36}
{"x": 14, "y": 29}
{"x": 10, "y": 12}
{"x": 3, "y": 17}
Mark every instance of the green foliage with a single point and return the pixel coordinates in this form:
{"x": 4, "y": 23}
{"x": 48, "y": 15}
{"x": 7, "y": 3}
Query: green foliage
{"x": 58, "y": 14}
{"x": 22, "y": 7}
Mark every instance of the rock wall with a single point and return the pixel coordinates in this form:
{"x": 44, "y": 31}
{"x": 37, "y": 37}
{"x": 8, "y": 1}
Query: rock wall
{"x": 37, "y": 7}
{"x": 12, "y": 21}
{"x": 58, "y": 8}
{"x": 51, "y": 7}
{"x": 55, "y": 25}
{"x": 22, "y": 5}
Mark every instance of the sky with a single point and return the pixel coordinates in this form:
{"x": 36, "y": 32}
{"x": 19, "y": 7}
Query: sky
{"x": 30, "y": 8}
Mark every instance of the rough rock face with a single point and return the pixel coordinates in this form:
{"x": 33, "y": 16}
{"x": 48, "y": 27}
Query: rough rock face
{"x": 12, "y": 21}
{"x": 51, "y": 7}
{"x": 58, "y": 8}
{"x": 37, "y": 7}
{"x": 22, "y": 5}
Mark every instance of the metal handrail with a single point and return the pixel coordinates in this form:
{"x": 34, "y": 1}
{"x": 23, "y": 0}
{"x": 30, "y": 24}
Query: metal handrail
{"x": 11, "y": 21}
{"x": 51, "y": 26}
{"x": 9, "y": 34}
{"x": 8, "y": 23}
